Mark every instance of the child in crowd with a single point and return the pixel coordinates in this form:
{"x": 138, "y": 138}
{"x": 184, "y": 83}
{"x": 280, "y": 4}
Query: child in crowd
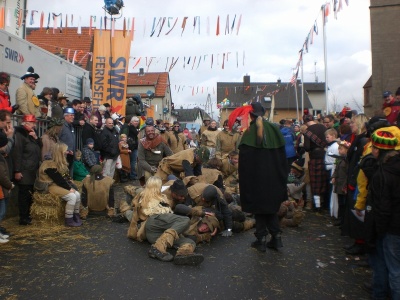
{"x": 6, "y": 186}
{"x": 124, "y": 162}
{"x": 80, "y": 170}
{"x": 339, "y": 180}
{"x": 331, "y": 153}
{"x": 88, "y": 155}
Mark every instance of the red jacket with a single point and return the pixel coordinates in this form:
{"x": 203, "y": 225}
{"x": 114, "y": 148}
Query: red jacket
{"x": 4, "y": 101}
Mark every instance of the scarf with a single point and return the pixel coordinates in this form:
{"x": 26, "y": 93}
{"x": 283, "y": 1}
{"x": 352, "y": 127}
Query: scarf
{"x": 151, "y": 144}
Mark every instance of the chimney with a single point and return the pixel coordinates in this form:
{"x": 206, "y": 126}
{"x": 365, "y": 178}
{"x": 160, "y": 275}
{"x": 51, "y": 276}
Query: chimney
{"x": 141, "y": 71}
{"x": 246, "y": 85}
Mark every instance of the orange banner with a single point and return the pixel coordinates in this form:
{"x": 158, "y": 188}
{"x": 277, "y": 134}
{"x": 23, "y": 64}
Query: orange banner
{"x": 110, "y": 69}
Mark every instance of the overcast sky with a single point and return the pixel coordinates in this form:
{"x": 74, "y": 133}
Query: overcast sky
{"x": 271, "y": 33}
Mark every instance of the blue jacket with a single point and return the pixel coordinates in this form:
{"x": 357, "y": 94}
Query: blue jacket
{"x": 289, "y": 138}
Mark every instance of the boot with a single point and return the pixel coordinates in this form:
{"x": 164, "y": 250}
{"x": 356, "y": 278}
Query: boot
{"x": 122, "y": 176}
{"x": 275, "y": 242}
{"x": 110, "y": 212}
{"x": 77, "y": 219}
{"x": 84, "y": 212}
{"x": 260, "y": 244}
{"x": 249, "y": 223}
{"x": 124, "y": 206}
{"x": 185, "y": 256}
{"x": 166, "y": 240}
{"x": 69, "y": 222}
{"x": 155, "y": 253}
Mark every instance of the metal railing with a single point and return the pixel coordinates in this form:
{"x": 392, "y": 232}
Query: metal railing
{"x": 41, "y": 127}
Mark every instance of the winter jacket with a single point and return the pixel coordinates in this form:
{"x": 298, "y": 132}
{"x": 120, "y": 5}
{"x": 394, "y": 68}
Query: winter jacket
{"x": 90, "y": 131}
{"x": 5, "y": 102}
{"x": 67, "y": 136}
{"x": 109, "y": 143}
{"x": 80, "y": 171}
{"x": 384, "y": 195}
{"x": 26, "y": 155}
{"x": 88, "y": 157}
{"x": 289, "y": 138}
{"x": 5, "y": 182}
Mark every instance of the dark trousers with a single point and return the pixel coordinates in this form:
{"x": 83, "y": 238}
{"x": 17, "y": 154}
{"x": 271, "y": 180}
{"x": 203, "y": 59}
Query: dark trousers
{"x": 266, "y": 223}
{"x": 24, "y": 200}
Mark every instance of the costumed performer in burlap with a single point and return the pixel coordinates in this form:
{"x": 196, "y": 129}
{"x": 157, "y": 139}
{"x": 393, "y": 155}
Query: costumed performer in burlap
{"x": 55, "y": 172}
{"x": 154, "y": 220}
{"x": 97, "y": 193}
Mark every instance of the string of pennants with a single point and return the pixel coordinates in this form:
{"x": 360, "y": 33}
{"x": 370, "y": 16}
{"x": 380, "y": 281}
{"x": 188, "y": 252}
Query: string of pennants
{"x": 161, "y": 25}
{"x": 337, "y": 6}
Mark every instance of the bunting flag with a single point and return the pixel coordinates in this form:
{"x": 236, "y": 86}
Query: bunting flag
{"x": 173, "y": 26}
{"x": 183, "y": 24}
{"x": 233, "y": 23}
{"x": 79, "y": 31}
{"x": 48, "y": 24}
{"x": 194, "y": 61}
{"x": 90, "y": 25}
{"x": 223, "y": 61}
{"x": 8, "y": 17}
{"x": 347, "y": 2}
{"x": 112, "y": 27}
{"x": 66, "y": 23}
{"x": 153, "y": 29}
{"x": 137, "y": 62}
{"x": 124, "y": 28}
{"x": 72, "y": 20}
{"x": 208, "y": 26}
{"x": 239, "y": 23}
{"x": 31, "y": 22}
{"x": 227, "y": 25}
{"x": 293, "y": 80}
{"x": 212, "y": 60}
{"x": 20, "y": 17}
{"x": 198, "y": 62}
{"x": 161, "y": 26}
{"x": 41, "y": 21}
{"x": 68, "y": 54}
{"x": 132, "y": 29}
{"x": 217, "y": 32}
{"x": 2, "y": 17}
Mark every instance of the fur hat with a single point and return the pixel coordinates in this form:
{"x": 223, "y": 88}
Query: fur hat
{"x": 30, "y": 73}
{"x": 3, "y": 139}
{"x": 211, "y": 221}
{"x": 384, "y": 140}
{"x": 203, "y": 153}
{"x": 178, "y": 187}
{"x": 29, "y": 118}
{"x": 258, "y": 109}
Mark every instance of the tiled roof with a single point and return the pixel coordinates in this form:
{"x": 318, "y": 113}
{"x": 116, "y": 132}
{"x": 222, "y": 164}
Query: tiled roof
{"x": 160, "y": 81}
{"x": 59, "y": 43}
{"x": 284, "y": 99}
{"x": 190, "y": 114}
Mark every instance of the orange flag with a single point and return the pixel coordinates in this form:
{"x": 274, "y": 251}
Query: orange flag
{"x": 217, "y": 33}
{"x": 2, "y": 18}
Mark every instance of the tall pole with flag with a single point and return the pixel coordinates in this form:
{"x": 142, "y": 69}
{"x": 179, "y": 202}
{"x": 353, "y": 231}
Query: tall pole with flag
{"x": 325, "y": 12}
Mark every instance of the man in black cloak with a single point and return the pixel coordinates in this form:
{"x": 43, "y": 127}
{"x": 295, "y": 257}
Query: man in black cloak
{"x": 263, "y": 176}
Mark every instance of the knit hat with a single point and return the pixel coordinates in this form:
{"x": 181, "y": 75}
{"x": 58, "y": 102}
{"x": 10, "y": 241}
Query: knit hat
{"x": 384, "y": 140}
{"x": 3, "y": 139}
{"x": 210, "y": 193}
{"x": 55, "y": 122}
{"x": 203, "y": 153}
{"x": 89, "y": 141}
{"x": 211, "y": 221}
{"x": 298, "y": 165}
{"x": 179, "y": 188}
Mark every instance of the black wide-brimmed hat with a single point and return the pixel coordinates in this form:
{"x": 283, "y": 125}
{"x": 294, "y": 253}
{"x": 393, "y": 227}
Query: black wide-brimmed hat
{"x": 30, "y": 73}
{"x": 258, "y": 109}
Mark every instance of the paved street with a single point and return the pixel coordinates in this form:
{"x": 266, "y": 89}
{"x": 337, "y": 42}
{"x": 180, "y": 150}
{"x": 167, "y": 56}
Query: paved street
{"x": 97, "y": 261}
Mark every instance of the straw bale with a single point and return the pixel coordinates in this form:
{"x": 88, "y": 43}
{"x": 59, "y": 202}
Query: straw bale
{"x": 47, "y": 209}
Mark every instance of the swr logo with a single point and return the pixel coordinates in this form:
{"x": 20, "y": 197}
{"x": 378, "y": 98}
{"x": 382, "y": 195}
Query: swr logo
{"x": 14, "y": 55}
